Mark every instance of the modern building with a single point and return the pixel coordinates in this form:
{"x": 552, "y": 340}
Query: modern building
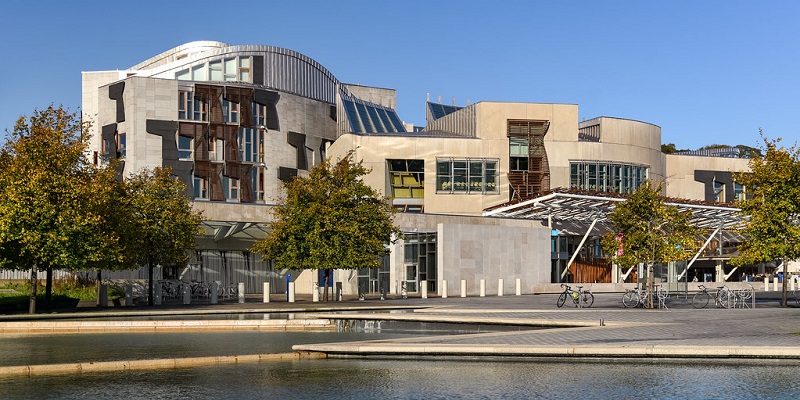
{"x": 233, "y": 122}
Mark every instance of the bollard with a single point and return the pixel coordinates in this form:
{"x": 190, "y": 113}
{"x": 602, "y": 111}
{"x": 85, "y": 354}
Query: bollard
{"x": 383, "y": 294}
{"x": 241, "y": 292}
{"x": 291, "y": 292}
{"x": 338, "y": 291}
{"x": 102, "y": 296}
{"x": 214, "y": 292}
{"x": 403, "y": 290}
{"x": 500, "y": 288}
{"x": 463, "y": 288}
{"x": 186, "y": 290}
{"x": 766, "y": 284}
{"x": 288, "y": 280}
{"x": 482, "y": 289}
{"x": 444, "y": 289}
{"x": 775, "y": 284}
{"x": 315, "y": 292}
{"x": 157, "y": 293}
{"x": 128, "y": 295}
{"x": 266, "y": 292}
{"x": 519, "y": 287}
{"x": 792, "y": 282}
{"x": 423, "y": 288}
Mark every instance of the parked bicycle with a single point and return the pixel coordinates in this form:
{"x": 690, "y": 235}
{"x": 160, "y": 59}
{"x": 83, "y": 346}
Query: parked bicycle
{"x": 721, "y": 297}
{"x": 638, "y": 297}
{"x": 581, "y": 298}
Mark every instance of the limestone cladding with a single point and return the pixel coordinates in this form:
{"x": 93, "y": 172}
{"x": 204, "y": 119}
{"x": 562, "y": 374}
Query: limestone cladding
{"x": 681, "y": 173}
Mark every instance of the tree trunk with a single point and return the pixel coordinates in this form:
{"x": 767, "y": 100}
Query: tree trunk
{"x": 150, "y": 284}
{"x": 650, "y": 285}
{"x": 48, "y": 286}
{"x": 784, "y": 296}
{"x": 34, "y": 280}
{"x": 325, "y": 280}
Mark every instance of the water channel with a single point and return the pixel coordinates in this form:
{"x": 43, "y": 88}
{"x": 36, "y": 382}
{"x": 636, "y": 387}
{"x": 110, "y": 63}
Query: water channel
{"x": 365, "y": 378}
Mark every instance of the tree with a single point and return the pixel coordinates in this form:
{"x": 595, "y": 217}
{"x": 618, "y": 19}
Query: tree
{"x": 329, "y": 220}
{"x": 161, "y": 225}
{"x": 772, "y": 204}
{"x": 49, "y": 214}
{"x": 648, "y": 231}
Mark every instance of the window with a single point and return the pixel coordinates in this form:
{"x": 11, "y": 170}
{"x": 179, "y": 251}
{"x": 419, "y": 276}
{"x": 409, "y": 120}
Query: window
{"x": 251, "y": 145}
{"x": 215, "y": 149}
{"x": 200, "y": 188}
{"x": 739, "y": 192}
{"x": 473, "y": 176}
{"x": 258, "y": 183}
{"x": 598, "y": 176}
{"x": 518, "y": 153}
{"x": 230, "y": 69}
{"x": 259, "y": 114}
{"x": 407, "y": 178}
{"x": 121, "y": 143}
{"x": 199, "y": 72}
{"x": 185, "y": 148}
{"x": 182, "y": 75}
{"x": 108, "y": 148}
{"x": 191, "y": 108}
{"x": 719, "y": 191}
{"x": 215, "y": 71}
{"x": 231, "y": 188}
{"x": 244, "y": 69}
{"x": 230, "y": 111}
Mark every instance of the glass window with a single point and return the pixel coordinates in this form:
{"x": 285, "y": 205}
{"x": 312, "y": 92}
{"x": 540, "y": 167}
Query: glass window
{"x": 182, "y": 75}
{"x": 738, "y": 191}
{"x": 215, "y": 71}
{"x": 199, "y": 72}
{"x": 244, "y": 69}
{"x": 121, "y": 144}
{"x": 606, "y": 177}
{"x": 250, "y": 145}
{"x": 230, "y": 186}
{"x": 230, "y": 111}
{"x": 183, "y": 104}
{"x": 407, "y": 178}
{"x": 185, "y": 148}
{"x": 230, "y": 69}
{"x": 215, "y": 149}
{"x": 200, "y": 188}
{"x": 259, "y": 114}
{"x": 475, "y": 175}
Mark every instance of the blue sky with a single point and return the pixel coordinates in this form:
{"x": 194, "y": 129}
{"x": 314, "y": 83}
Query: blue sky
{"x": 704, "y": 71}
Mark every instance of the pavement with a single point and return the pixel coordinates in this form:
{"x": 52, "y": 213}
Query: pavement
{"x": 533, "y": 326}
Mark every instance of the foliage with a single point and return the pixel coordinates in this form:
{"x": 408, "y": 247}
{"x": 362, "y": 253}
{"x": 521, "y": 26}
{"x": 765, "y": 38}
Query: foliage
{"x": 160, "y": 225}
{"x": 772, "y": 231}
{"x": 647, "y": 230}
{"x": 330, "y": 220}
{"x": 48, "y": 206}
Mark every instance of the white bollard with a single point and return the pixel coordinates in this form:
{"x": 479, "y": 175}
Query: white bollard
{"x": 775, "y": 284}
{"x": 214, "y": 292}
{"x": 315, "y": 292}
{"x": 500, "y": 287}
{"x": 483, "y": 288}
{"x": 423, "y": 289}
{"x": 766, "y": 284}
{"x": 157, "y": 293}
{"x": 291, "y": 292}
{"x": 519, "y": 287}
{"x": 463, "y": 288}
{"x": 444, "y": 289}
{"x": 266, "y": 292}
{"x": 241, "y": 292}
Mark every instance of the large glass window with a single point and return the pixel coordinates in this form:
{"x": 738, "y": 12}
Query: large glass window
{"x": 230, "y": 69}
{"x": 518, "y": 153}
{"x": 259, "y": 114}
{"x": 473, "y": 175}
{"x": 251, "y": 145}
{"x": 199, "y": 72}
{"x": 230, "y": 186}
{"x": 738, "y": 191}
{"x": 407, "y": 178}
{"x": 215, "y": 71}
{"x": 719, "y": 191}
{"x": 599, "y": 176}
{"x": 244, "y": 69}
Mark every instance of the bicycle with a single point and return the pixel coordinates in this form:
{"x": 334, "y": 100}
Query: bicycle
{"x": 634, "y": 298}
{"x": 723, "y": 297}
{"x": 581, "y": 298}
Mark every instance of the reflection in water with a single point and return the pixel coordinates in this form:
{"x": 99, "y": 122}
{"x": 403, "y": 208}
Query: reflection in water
{"x": 410, "y": 379}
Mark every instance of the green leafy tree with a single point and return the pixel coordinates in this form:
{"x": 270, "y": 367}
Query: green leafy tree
{"x": 159, "y": 222}
{"x": 648, "y": 231}
{"x": 772, "y": 230}
{"x": 329, "y": 220}
{"x": 49, "y": 214}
